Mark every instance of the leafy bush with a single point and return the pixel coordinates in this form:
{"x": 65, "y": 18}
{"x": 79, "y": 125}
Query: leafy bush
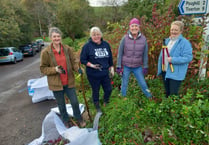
{"x": 77, "y": 44}
{"x": 137, "y": 120}
{"x": 67, "y": 41}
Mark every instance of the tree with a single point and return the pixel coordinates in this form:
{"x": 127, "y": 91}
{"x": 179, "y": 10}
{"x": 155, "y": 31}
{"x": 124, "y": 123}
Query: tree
{"x": 114, "y": 12}
{"x": 74, "y": 17}
{"x": 14, "y": 23}
{"x": 144, "y": 7}
{"x": 43, "y": 13}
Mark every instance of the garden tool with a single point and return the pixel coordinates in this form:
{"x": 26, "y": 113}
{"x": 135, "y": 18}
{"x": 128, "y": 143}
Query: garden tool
{"x": 84, "y": 96}
{"x": 73, "y": 122}
{"x": 165, "y": 48}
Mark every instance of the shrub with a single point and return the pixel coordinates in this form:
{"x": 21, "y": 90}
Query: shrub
{"x": 137, "y": 120}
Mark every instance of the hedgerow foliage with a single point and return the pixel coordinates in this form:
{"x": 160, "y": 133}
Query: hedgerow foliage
{"x": 137, "y": 120}
{"x": 155, "y": 29}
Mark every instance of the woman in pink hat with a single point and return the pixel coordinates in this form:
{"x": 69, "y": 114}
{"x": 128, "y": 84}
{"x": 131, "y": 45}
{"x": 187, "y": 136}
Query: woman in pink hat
{"x": 133, "y": 57}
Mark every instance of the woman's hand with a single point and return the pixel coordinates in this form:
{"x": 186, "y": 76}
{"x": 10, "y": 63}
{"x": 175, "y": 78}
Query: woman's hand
{"x": 95, "y": 66}
{"x": 169, "y": 59}
{"x": 60, "y": 69}
{"x": 112, "y": 71}
{"x": 119, "y": 71}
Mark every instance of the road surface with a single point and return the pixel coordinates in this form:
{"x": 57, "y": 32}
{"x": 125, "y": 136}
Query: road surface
{"x": 20, "y": 119}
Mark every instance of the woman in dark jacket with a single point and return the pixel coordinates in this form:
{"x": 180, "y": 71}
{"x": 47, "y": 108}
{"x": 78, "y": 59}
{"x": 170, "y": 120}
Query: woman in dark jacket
{"x": 97, "y": 56}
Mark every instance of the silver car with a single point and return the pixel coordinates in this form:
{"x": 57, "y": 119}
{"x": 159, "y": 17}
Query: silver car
{"x": 10, "y": 54}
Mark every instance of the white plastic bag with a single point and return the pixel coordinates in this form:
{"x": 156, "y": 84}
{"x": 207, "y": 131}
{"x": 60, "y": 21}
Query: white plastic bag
{"x": 69, "y": 109}
{"x": 38, "y": 89}
{"x": 53, "y": 127}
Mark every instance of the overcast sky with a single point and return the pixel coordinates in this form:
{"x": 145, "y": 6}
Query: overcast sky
{"x": 99, "y": 3}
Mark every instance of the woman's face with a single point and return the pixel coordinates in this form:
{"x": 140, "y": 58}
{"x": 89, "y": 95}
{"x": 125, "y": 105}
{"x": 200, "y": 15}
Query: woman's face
{"x": 175, "y": 31}
{"x": 96, "y": 37}
{"x": 134, "y": 29}
{"x": 56, "y": 38}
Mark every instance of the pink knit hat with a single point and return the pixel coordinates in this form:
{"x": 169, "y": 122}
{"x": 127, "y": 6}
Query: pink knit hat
{"x": 134, "y": 21}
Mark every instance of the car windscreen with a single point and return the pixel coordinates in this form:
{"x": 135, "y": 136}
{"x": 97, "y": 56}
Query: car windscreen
{"x": 34, "y": 44}
{"x": 24, "y": 47}
{"x": 4, "y": 52}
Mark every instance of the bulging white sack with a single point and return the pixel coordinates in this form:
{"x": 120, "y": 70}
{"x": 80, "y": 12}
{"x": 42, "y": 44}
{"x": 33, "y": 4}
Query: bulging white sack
{"x": 38, "y": 89}
{"x": 53, "y": 127}
{"x": 69, "y": 109}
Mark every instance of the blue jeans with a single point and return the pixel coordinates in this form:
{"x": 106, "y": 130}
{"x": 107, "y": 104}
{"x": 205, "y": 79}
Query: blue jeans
{"x": 60, "y": 99}
{"x": 137, "y": 71}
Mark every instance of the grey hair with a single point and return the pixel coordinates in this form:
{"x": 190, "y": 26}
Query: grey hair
{"x": 95, "y": 29}
{"x": 178, "y": 23}
{"x": 54, "y": 30}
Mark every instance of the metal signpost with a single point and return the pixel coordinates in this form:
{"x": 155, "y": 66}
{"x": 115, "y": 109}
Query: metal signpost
{"x": 189, "y": 7}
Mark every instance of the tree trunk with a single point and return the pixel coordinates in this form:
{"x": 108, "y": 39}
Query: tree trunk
{"x": 39, "y": 23}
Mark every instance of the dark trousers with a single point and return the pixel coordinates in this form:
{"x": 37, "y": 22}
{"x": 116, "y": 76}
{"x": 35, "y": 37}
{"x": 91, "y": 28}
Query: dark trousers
{"x": 171, "y": 86}
{"x": 95, "y": 85}
{"x": 60, "y": 99}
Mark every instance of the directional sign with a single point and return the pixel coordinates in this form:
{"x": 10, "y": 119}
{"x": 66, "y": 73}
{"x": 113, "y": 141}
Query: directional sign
{"x": 189, "y": 7}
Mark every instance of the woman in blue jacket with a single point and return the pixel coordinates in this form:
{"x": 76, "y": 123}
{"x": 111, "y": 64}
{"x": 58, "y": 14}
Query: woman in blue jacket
{"x": 174, "y": 64}
{"x": 97, "y": 56}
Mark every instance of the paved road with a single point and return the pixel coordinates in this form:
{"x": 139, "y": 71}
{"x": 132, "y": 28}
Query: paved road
{"x": 20, "y": 119}
{"x": 14, "y": 77}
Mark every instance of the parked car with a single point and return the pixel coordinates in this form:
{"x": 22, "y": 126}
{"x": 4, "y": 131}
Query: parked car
{"x": 40, "y": 42}
{"x": 36, "y": 46}
{"x": 28, "y": 49}
{"x": 10, "y": 54}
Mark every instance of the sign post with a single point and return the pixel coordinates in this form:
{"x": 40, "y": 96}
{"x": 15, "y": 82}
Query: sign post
{"x": 189, "y": 7}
